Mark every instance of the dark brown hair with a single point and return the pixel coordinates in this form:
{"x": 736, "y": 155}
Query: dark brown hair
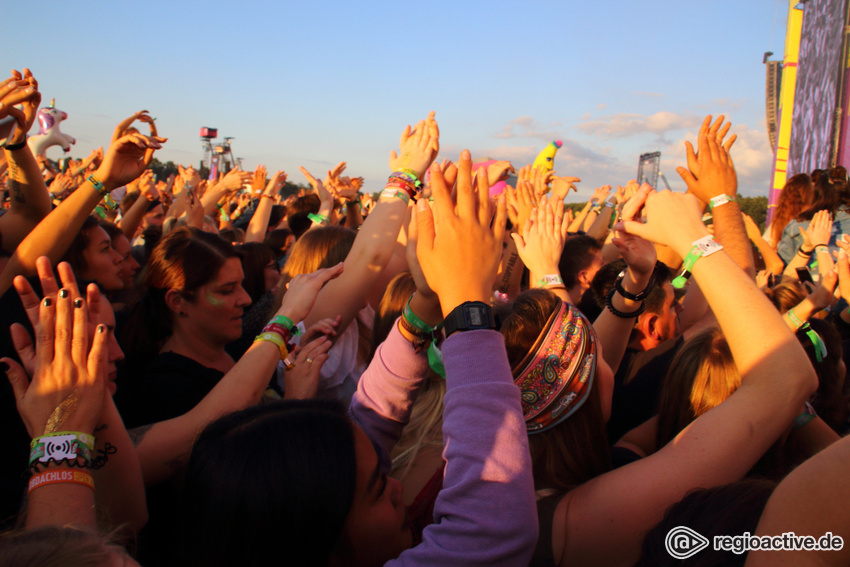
{"x": 576, "y": 450}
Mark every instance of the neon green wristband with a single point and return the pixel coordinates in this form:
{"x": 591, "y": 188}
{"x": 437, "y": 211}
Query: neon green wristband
{"x": 704, "y": 246}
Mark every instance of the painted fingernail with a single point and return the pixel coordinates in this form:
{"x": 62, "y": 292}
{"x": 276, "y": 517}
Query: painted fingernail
{"x": 63, "y": 293}
{"x": 100, "y": 328}
{"x": 47, "y": 302}
{"x": 78, "y": 303}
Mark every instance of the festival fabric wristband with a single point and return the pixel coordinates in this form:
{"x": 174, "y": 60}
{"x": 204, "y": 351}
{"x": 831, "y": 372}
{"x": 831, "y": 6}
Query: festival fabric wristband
{"x": 276, "y": 339}
{"x": 794, "y": 319}
{"x": 100, "y": 188}
{"x": 550, "y": 279}
{"x": 821, "y": 248}
{"x": 287, "y": 323}
{"x": 804, "y": 418}
{"x": 435, "y": 355}
{"x": 721, "y": 199}
{"x": 704, "y": 246}
{"x": 390, "y": 193}
{"x": 597, "y": 208}
{"x": 56, "y": 476}
{"x": 61, "y": 445}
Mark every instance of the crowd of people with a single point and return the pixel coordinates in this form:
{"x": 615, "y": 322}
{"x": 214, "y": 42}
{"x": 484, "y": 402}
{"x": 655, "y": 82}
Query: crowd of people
{"x": 203, "y": 372}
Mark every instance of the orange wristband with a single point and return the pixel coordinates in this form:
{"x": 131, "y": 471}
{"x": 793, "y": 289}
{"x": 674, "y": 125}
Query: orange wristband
{"x": 55, "y": 476}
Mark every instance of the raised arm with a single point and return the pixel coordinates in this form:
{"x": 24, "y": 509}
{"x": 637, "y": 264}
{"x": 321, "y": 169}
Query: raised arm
{"x": 489, "y": 468}
{"x": 773, "y": 263}
{"x": 125, "y": 160}
{"x": 259, "y": 224}
{"x": 812, "y": 500}
{"x": 711, "y": 178}
{"x": 373, "y": 247}
{"x": 30, "y": 201}
{"x": 721, "y": 445}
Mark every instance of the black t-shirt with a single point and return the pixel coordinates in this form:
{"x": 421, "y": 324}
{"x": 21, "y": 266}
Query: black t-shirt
{"x": 171, "y": 386}
{"x": 637, "y": 386}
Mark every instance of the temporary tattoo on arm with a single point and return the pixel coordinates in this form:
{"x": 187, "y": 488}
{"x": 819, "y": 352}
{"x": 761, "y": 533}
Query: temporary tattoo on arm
{"x": 138, "y": 433}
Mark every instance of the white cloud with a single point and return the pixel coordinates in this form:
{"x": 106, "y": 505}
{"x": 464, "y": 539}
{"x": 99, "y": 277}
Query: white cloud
{"x": 624, "y": 125}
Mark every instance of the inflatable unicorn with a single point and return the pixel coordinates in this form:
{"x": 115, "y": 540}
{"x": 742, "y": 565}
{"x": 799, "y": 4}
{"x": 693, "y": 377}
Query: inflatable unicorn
{"x": 49, "y": 134}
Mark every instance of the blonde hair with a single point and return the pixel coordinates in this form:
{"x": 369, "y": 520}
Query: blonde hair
{"x": 701, "y": 376}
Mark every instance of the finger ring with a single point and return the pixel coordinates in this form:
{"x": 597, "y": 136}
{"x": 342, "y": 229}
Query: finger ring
{"x": 309, "y": 361}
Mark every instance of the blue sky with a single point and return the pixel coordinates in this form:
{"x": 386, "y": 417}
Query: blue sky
{"x": 311, "y": 84}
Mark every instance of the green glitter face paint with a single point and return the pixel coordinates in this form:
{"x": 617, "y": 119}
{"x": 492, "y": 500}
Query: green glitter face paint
{"x": 214, "y": 301}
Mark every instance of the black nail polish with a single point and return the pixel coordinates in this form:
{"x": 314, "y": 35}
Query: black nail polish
{"x": 78, "y": 303}
{"x": 47, "y": 302}
{"x": 100, "y": 328}
{"x": 63, "y": 293}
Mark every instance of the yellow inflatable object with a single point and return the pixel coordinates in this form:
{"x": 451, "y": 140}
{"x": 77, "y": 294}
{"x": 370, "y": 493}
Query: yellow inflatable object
{"x": 545, "y": 160}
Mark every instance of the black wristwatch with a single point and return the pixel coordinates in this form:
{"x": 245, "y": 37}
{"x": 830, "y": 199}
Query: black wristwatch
{"x": 618, "y": 285}
{"x": 470, "y": 316}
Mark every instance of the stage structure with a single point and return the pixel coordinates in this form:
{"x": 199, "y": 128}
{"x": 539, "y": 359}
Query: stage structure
{"x": 811, "y": 120}
{"x": 649, "y": 169}
{"x": 217, "y": 158}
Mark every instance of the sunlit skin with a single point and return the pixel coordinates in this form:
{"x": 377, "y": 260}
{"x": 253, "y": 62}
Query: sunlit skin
{"x": 376, "y": 529}
{"x": 129, "y": 266}
{"x": 103, "y": 263}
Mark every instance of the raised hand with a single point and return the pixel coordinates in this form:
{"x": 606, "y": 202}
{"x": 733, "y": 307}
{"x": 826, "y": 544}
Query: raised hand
{"x": 752, "y": 228}
{"x": 68, "y": 384}
{"x": 674, "y": 219}
{"x": 498, "y": 171}
{"x": 543, "y": 238}
{"x": 258, "y": 181}
{"x": 639, "y": 254}
{"x": 302, "y": 382}
{"x": 123, "y": 127}
{"x": 710, "y": 172}
{"x": 459, "y": 260}
{"x": 20, "y": 89}
{"x": 302, "y": 290}
{"x": 819, "y": 231}
{"x": 520, "y": 203}
{"x": 418, "y": 147}
{"x": 562, "y": 185}
{"x": 126, "y": 159}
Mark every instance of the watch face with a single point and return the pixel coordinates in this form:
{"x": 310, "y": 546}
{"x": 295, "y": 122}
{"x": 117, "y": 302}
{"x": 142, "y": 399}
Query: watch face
{"x": 475, "y": 316}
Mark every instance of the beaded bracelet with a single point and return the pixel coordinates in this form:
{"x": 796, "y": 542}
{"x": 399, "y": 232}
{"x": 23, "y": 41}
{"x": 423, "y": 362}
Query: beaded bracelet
{"x": 618, "y": 285}
{"x": 55, "y": 476}
{"x": 704, "y": 246}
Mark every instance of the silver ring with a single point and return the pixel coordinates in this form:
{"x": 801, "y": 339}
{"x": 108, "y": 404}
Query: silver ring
{"x": 309, "y": 361}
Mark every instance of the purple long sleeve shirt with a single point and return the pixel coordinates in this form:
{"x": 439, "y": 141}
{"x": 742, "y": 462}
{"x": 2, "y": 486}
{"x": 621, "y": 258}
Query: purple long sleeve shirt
{"x": 486, "y": 513}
